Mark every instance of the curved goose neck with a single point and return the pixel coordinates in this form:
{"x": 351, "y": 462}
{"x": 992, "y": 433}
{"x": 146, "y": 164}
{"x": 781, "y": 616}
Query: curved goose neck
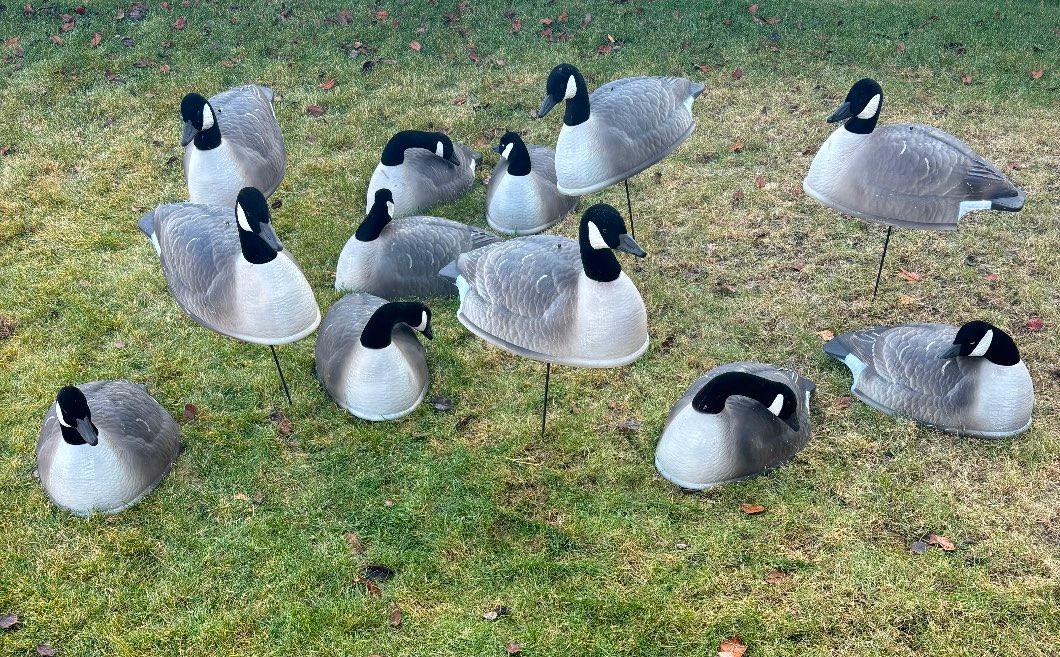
{"x": 577, "y": 110}
{"x": 256, "y": 250}
{"x": 712, "y": 397}
{"x": 599, "y": 264}
{"x": 394, "y": 152}
{"x": 518, "y": 159}
{"x": 378, "y": 330}
{"x": 209, "y": 139}
{"x": 374, "y": 223}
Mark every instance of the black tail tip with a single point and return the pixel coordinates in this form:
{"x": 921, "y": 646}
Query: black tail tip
{"x": 1009, "y": 203}
{"x": 836, "y": 349}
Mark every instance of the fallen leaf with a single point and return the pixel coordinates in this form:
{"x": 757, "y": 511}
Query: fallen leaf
{"x": 369, "y": 586}
{"x": 344, "y": 17}
{"x": 327, "y": 85}
{"x": 751, "y": 509}
{"x": 563, "y": 16}
{"x": 442, "y": 404}
{"x": 905, "y": 299}
{"x": 164, "y": 68}
{"x": 760, "y": 181}
{"x": 496, "y": 613}
{"x": 180, "y": 23}
{"x": 1037, "y": 73}
{"x": 79, "y": 9}
{"x": 415, "y": 45}
{"x": 826, "y": 335}
{"x": 753, "y": 9}
{"x": 940, "y": 542}
{"x": 227, "y": 63}
{"x": 314, "y": 110}
{"x": 27, "y": 10}
{"x": 513, "y": 648}
{"x": 68, "y": 25}
{"x": 631, "y": 424}
{"x": 737, "y": 73}
{"x": 191, "y": 411}
{"x": 918, "y": 547}
{"x": 966, "y": 79}
{"x": 388, "y": 503}
{"x": 1035, "y": 324}
{"x": 241, "y": 496}
{"x": 378, "y": 572}
{"x": 97, "y": 39}
{"x": 7, "y": 329}
{"x": 382, "y": 15}
{"x": 842, "y": 403}
{"x": 12, "y": 42}
{"x": 396, "y": 618}
{"x": 460, "y": 100}
{"x": 910, "y": 276}
{"x": 57, "y": 40}
{"x": 732, "y": 647}
{"x": 604, "y": 48}
{"x": 283, "y": 424}
{"x": 10, "y": 621}
{"x": 546, "y": 21}
{"x": 5, "y": 149}
{"x": 737, "y": 196}
{"x": 993, "y": 278}
{"x": 354, "y": 542}
{"x": 516, "y": 25}
{"x": 901, "y": 47}
{"x": 45, "y": 650}
{"x": 776, "y": 577}
{"x": 736, "y": 146}
{"x": 703, "y": 68}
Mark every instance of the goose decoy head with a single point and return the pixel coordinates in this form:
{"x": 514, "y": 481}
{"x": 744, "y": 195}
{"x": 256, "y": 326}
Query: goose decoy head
{"x": 198, "y": 117}
{"x": 513, "y": 149}
{"x": 861, "y": 108}
{"x": 75, "y": 419}
{"x": 256, "y": 235}
{"x": 377, "y": 331}
{"x": 563, "y": 83}
{"x": 443, "y": 148}
{"x": 602, "y": 227}
{"x": 777, "y": 398}
{"x": 978, "y": 339}
{"x": 378, "y": 217}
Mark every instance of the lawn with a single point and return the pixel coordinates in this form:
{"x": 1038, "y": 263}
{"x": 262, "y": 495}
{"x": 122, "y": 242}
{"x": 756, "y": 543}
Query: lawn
{"x": 255, "y": 543}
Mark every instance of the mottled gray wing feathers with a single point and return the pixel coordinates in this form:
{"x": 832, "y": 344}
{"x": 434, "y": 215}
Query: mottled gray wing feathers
{"x": 339, "y": 335}
{"x": 642, "y": 114}
{"x": 248, "y": 121}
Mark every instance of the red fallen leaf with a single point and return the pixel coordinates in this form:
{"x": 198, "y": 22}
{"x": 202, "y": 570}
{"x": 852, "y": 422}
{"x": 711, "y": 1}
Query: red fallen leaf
{"x": 732, "y": 647}
{"x": 703, "y": 68}
{"x": 966, "y": 79}
{"x": 513, "y": 648}
{"x": 67, "y": 26}
{"x": 826, "y": 335}
{"x": 180, "y": 23}
{"x": 993, "y": 278}
{"x": 472, "y": 53}
{"x": 370, "y": 586}
{"x": 13, "y": 41}
{"x": 910, "y": 276}
{"x": 80, "y": 9}
{"x": 314, "y": 111}
{"x": 1037, "y": 73}
{"x": 1035, "y": 324}
{"x": 901, "y": 47}
{"x": 753, "y": 9}
{"x": 751, "y": 509}
{"x": 328, "y": 85}
{"x": 10, "y": 621}
{"x": 57, "y": 40}
{"x": 736, "y": 146}
{"x": 344, "y": 17}
{"x": 563, "y": 16}
{"x": 415, "y": 45}
{"x": 164, "y": 68}
{"x": 760, "y": 181}
{"x": 546, "y": 21}
{"x": 604, "y": 48}
{"x": 165, "y": 5}
{"x": 97, "y": 39}
{"x": 396, "y": 618}
{"x": 191, "y": 411}
{"x": 516, "y": 25}
{"x": 546, "y": 33}
{"x": 940, "y": 542}
{"x": 737, "y": 73}
{"x": 382, "y": 15}
{"x": 283, "y": 424}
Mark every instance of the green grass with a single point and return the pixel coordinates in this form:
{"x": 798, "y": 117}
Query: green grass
{"x": 241, "y": 550}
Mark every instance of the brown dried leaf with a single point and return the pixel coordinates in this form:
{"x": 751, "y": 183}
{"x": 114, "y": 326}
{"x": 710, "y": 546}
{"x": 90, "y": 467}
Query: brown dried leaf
{"x": 776, "y": 577}
{"x": 68, "y": 25}
{"x": 703, "y": 68}
{"x": 370, "y": 586}
{"x": 381, "y": 15}
{"x": 901, "y": 47}
{"x": 910, "y": 276}
{"x": 344, "y": 17}
{"x": 516, "y": 25}
{"x": 328, "y": 84}
{"x": 966, "y": 79}
{"x": 737, "y": 73}
{"x": 940, "y": 542}
{"x": 415, "y": 45}
{"x": 513, "y": 648}
{"x": 9, "y": 621}
{"x": 180, "y": 23}
{"x": 826, "y": 335}
{"x": 97, "y": 39}
{"x": 396, "y": 618}
{"x": 732, "y": 647}
{"x": 760, "y": 181}
{"x": 546, "y": 21}
{"x": 191, "y": 411}
{"x": 604, "y": 48}
{"x": 905, "y": 299}
{"x": 1037, "y": 73}
{"x": 315, "y": 110}
{"x": 45, "y": 650}
{"x": 354, "y": 542}
{"x": 563, "y": 16}
{"x": 842, "y": 403}
{"x": 736, "y": 146}
{"x": 57, "y": 40}
{"x": 751, "y": 509}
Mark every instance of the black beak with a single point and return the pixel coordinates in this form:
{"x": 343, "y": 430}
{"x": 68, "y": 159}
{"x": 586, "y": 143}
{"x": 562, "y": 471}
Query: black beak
{"x": 88, "y": 432}
{"x": 428, "y": 333}
{"x": 498, "y": 149}
{"x": 188, "y": 133}
{"x": 267, "y": 233}
{"x": 546, "y": 105}
{"x": 952, "y": 351}
{"x": 842, "y": 113}
{"x": 629, "y": 245}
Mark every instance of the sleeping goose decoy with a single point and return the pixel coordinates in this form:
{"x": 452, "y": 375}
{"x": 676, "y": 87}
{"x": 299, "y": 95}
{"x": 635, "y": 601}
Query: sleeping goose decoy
{"x": 234, "y": 278}
{"x": 393, "y": 258}
{"x": 736, "y": 421}
{"x": 368, "y": 358}
{"x": 967, "y": 381}
{"x": 104, "y": 446}
{"x": 422, "y": 169}
{"x": 904, "y": 175}
{"x": 230, "y": 142}
{"x": 555, "y": 300}
{"x": 619, "y": 130}
{"x": 521, "y": 197}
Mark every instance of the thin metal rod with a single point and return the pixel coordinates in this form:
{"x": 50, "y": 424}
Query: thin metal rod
{"x": 279, "y": 370}
{"x": 879, "y": 272}
{"x": 629, "y": 206}
{"x": 544, "y": 402}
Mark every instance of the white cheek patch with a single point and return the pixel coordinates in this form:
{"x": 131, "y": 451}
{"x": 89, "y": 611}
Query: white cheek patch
{"x": 870, "y": 109}
{"x": 507, "y": 153}
{"x": 390, "y": 208}
{"x": 241, "y": 217}
{"x": 572, "y": 88}
{"x": 59, "y": 416}
{"x": 423, "y": 323}
{"x": 439, "y": 150}
{"x": 777, "y": 404}
{"x": 207, "y": 117}
{"x": 596, "y": 240}
{"x": 983, "y": 346}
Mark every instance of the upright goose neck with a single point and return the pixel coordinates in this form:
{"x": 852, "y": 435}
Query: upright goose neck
{"x": 577, "y": 109}
{"x": 210, "y": 138}
{"x": 373, "y": 224}
{"x": 394, "y": 152}
{"x": 518, "y": 159}
{"x": 599, "y": 264}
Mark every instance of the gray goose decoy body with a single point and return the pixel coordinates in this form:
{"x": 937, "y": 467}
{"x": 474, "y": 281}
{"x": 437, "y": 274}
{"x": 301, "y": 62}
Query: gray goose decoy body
{"x": 522, "y": 198}
{"x": 902, "y": 174}
{"x": 104, "y": 446}
{"x": 233, "y": 277}
{"x": 968, "y": 381}
{"x": 368, "y": 358}
{"x": 422, "y": 169}
{"x": 736, "y": 421}
{"x": 230, "y": 142}
{"x": 556, "y": 300}
{"x": 393, "y": 258}
{"x": 619, "y": 130}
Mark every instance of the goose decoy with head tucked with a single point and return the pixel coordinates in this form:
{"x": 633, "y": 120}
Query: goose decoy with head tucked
{"x": 422, "y": 169}
{"x": 968, "y": 381}
{"x": 393, "y": 258}
{"x": 736, "y": 421}
{"x": 104, "y": 446}
{"x": 368, "y": 358}
{"x": 521, "y": 197}
{"x": 234, "y": 277}
{"x": 904, "y": 175}
{"x": 230, "y": 142}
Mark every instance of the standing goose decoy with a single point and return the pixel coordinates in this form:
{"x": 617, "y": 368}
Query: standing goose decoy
{"x": 522, "y": 198}
{"x": 555, "y": 300}
{"x": 368, "y": 358}
{"x": 969, "y": 381}
{"x": 619, "y": 130}
{"x": 104, "y": 446}
{"x": 230, "y": 142}
{"x": 393, "y": 258}
{"x": 735, "y": 422}
{"x": 422, "y": 169}
{"x": 904, "y": 175}
{"x": 236, "y": 280}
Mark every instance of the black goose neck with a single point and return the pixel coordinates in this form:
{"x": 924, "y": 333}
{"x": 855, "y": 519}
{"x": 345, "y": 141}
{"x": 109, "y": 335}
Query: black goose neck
{"x": 394, "y": 152}
{"x": 862, "y": 126}
{"x": 599, "y": 264}
{"x": 713, "y": 396}
{"x": 373, "y": 224}
{"x": 71, "y": 435}
{"x": 577, "y": 109}
{"x": 256, "y": 251}
{"x": 209, "y": 139}
{"x": 379, "y": 329}
{"x": 1002, "y": 350}
{"x": 518, "y": 159}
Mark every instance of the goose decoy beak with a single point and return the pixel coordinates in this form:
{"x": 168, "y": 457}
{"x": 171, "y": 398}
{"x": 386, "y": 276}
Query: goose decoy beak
{"x": 428, "y": 333}
{"x": 842, "y": 113}
{"x": 267, "y": 233}
{"x": 87, "y": 432}
{"x": 546, "y": 105}
{"x": 952, "y": 351}
{"x": 629, "y": 245}
{"x": 497, "y": 149}
{"x": 188, "y": 134}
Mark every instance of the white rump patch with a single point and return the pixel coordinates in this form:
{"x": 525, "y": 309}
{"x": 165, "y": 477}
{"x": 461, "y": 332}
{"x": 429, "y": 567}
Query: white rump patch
{"x": 871, "y": 108}
{"x": 423, "y": 323}
{"x": 207, "y": 117}
{"x": 241, "y": 217}
{"x": 439, "y": 150}
{"x": 596, "y": 240}
{"x": 777, "y": 404}
{"x": 856, "y": 367}
{"x": 507, "y": 153}
{"x": 983, "y": 346}
{"x": 572, "y": 88}
{"x": 967, "y": 206}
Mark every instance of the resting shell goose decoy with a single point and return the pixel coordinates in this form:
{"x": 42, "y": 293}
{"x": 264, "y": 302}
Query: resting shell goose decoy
{"x": 736, "y": 421}
{"x": 903, "y": 174}
{"x": 422, "y": 169}
{"x": 619, "y": 130}
{"x": 968, "y": 381}
{"x": 393, "y": 258}
{"x": 521, "y": 197}
{"x": 230, "y": 142}
{"x": 368, "y": 358}
{"x": 104, "y": 446}
{"x": 233, "y": 277}
{"x": 556, "y": 300}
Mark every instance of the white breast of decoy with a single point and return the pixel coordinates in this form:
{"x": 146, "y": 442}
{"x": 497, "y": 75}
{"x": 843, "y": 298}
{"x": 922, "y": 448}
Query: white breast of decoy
{"x": 393, "y": 178}
{"x": 1001, "y": 397}
{"x": 830, "y": 164}
{"x": 697, "y": 448}
{"x": 610, "y": 320}
{"x": 357, "y": 265}
{"x": 275, "y": 299}
{"x": 518, "y": 200}
{"x": 578, "y": 154}
{"x": 381, "y": 384}
{"x": 86, "y": 478}
{"x": 214, "y": 176}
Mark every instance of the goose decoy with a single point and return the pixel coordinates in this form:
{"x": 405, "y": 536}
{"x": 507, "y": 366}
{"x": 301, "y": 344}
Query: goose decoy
{"x": 393, "y": 258}
{"x": 904, "y": 175}
{"x": 735, "y": 422}
{"x": 555, "y": 300}
{"x": 521, "y": 197}
{"x": 230, "y": 142}
{"x": 236, "y": 280}
{"x": 968, "y": 381}
{"x": 619, "y": 130}
{"x": 422, "y": 169}
{"x": 368, "y": 358}
{"x": 104, "y": 446}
